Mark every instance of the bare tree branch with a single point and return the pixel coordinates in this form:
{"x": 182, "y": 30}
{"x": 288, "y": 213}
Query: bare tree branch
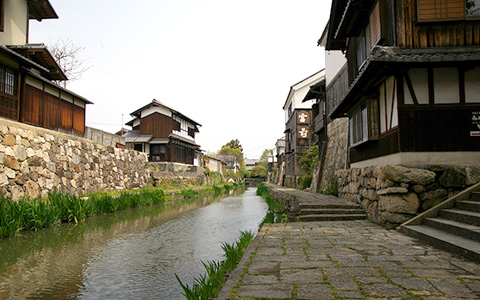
{"x": 66, "y": 54}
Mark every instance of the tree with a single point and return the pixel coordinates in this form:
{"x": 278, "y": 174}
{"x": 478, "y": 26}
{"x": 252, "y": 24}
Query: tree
{"x": 66, "y": 54}
{"x": 261, "y": 169}
{"x": 234, "y": 148}
{"x": 235, "y": 144}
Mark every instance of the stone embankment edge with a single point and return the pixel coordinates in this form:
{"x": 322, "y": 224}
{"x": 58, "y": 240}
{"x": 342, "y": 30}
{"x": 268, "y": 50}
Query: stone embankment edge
{"x": 237, "y": 274}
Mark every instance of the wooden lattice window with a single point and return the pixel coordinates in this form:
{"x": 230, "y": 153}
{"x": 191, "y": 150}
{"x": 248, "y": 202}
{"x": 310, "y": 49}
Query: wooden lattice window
{"x": 375, "y": 26}
{"x": 440, "y": 10}
{"x": 8, "y": 81}
{"x": 8, "y": 93}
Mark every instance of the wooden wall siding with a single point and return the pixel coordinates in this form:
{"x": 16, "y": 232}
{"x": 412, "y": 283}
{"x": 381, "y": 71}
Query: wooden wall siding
{"x": 9, "y": 107}
{"x": 411, "y": 34}
{"x": 78, "y": 119}
{"x": 442, "y": 129}
{"x": 66, "y": 115}
{"x": 156, "y": 124}
{"x": 43, "y": 109}
{"x": 49, "y": 111}
{"x": 385, "y": 145}
{"x": 31, "y": 106}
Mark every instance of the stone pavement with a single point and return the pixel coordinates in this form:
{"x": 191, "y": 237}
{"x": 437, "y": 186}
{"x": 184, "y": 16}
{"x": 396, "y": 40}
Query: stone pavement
{"x": 347, "y": 260}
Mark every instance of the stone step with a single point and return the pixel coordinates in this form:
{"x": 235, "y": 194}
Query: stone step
{"x": 469, "y": 205}
{"x": 320, "y": 206}
{"x": 331, "y": 217}
{"x": 323, "y": 211}
{"x": 458, "y": 215}
{"x": 465, "y": 247}
{"x": 458, "y": 228}
{"x": 476, "y": 196}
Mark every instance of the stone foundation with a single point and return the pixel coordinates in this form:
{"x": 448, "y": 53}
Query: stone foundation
{"x": 35, "y": 161}
{"x": 335, "y": 154}
{"x": 393, "y": 194}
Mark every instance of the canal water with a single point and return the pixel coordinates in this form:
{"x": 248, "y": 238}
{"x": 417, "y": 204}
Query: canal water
{"x": 131, "y": 254}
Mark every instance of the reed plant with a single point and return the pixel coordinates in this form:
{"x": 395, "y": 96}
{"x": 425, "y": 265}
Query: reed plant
{"x": 36, "y": 214}
{"x": 209, "y": 284}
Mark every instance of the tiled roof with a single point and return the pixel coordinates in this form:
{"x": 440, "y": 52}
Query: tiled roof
{"x": 395, "y": 54}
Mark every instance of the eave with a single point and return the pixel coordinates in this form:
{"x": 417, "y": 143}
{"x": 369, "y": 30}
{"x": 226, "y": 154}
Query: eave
{"x": 39, "y": 54}
{"x": 41, "y": 9}
{"x": 347, "y": 19}
{"x": 389, "y": 61}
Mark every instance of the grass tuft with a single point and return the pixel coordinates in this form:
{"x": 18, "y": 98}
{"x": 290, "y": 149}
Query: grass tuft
{"x": 209, "y": 284}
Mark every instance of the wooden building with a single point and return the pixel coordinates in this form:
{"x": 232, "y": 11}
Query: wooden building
{"x": 298, "y": 126}
{"x": 28, "y": 72}
{"x": 411, "y": 83}
{"x": 164, "y": 134}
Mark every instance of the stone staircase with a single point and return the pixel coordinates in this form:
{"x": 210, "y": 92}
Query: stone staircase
{"x": 330, "y": 212}
{"x": 454, "y": 227}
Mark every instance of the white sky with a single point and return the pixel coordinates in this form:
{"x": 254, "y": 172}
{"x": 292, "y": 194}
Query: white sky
{"x": 226, "y": 64}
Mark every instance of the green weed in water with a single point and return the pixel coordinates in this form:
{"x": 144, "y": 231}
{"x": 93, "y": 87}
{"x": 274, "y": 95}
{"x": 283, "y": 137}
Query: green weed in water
{"x": 209, "y": 284}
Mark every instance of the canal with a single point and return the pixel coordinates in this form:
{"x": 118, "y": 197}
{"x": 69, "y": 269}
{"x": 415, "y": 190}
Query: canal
{"x": 131, "y": 254}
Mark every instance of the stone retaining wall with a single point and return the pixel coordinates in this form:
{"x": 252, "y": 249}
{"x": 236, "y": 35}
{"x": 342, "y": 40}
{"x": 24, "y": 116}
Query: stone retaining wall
{"x": 335, "y": 154}
{"x": 35, "y": 161}
{"x": 393, "y": 194}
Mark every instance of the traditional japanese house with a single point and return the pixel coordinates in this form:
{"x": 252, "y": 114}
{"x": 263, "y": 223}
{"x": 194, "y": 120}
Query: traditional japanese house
{"x": 411, "y": 83}
{"x": 298, "y": 126}
{"x": 28, "y": 92}
{"x": 164, "y": 134}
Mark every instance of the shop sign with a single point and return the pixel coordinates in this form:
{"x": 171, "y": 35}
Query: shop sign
{"x": 303, "y": 132}
{"x": 475, "y": 127}
{"x": 303, "y": 118}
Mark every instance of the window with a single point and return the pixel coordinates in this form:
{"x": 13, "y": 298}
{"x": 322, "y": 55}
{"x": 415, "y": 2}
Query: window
{"x": 442, "y": 10}
{"x": 2, "y": 16}
{"x": 375, "y": 26}
{"x": 8, "y": 81}
{"x": 363, "y": 46}
{"x": 176, "y": 125}
{"x": 364, "y": 122}
{"x": 191, "y": 132}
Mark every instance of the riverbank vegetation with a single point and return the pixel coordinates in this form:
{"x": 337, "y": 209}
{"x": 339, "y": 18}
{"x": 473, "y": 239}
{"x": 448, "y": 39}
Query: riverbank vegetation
{"x": 36, "y": 214}
{"x": 275, "y": 211}
{"x": 209, "y": 284}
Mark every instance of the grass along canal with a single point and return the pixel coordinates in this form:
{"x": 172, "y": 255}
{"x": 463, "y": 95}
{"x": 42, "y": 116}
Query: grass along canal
{"x": 133, "y": 253}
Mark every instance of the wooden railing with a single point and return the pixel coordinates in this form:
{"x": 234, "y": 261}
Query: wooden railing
{"x": 337, "y": 89}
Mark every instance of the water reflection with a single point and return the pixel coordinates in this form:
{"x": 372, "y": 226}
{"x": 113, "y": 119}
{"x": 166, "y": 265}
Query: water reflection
{"x": 130, "y": 254}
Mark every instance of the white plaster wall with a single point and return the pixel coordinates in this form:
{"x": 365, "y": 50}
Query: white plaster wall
{"x": 334, "y": 61}
{"x": 472, "y": 86}
{"x": 446, "y": 85}
{"x": 299, "y": 91}
{"x": 419, "y": 79}
{"x": 184, "y": 128}
{"x": 15, "y": 25}
{"x": 388, "y": 120}
{"x": 159, "y": 109}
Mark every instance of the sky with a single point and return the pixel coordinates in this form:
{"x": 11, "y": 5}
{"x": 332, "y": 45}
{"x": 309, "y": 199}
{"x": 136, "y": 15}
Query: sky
{"x": 226, "y": 64}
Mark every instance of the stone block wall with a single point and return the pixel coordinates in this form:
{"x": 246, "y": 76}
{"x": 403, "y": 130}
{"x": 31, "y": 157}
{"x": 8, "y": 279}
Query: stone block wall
{"x": 394, "y": 194}
{"x": 35, "y": 161}
{"x": 104, "y": 138}
{"x": 335, "y": 155}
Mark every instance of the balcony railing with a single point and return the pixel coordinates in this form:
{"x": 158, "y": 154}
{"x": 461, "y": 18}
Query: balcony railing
{"x": 337, "y": 89}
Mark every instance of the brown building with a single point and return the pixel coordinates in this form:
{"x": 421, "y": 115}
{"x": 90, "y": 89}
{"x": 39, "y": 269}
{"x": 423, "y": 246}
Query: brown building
{"x": 411, "y": 83}
{"x": 298, "y": 127}
{"x": 28, "y": 72}
{"x": 164, "y": 134}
